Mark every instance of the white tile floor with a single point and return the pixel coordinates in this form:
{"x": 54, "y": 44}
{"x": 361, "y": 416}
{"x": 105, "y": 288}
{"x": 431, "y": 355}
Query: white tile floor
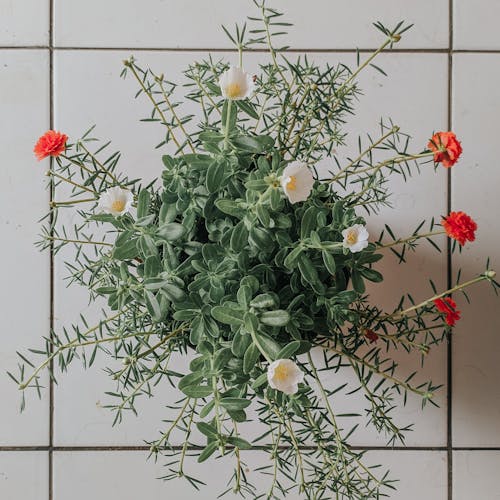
{"x": 87, "y": 90}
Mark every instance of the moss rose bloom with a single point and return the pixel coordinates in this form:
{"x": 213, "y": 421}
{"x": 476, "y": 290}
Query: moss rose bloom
{"x": 371, "y": 336}
{"x": 448, "y": 306}
{"x": 447, "y": 149}
{"x": 460, "y": 227}
{"x": 285, "y": 376}
{"x": 51, "y": 143}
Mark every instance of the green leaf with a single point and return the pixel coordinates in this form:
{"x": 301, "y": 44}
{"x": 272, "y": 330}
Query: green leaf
{"x": 292, "y": 258}
{"x": 207, "y": 408}
{"x": 190, "y": 379}
{"x": 197, "y": 391}
{"x": 173, "y": 292}
{"x": 244, "y": 295}
{"x": 308, "y": 222}
{"x": 371, "y": 275}
{"x": 171, "y": 231}
{"x": 240, "y": 443}
{"x": 308, "y": 271}
{"x": 247, "y": 108}
{"x": 143, "y": 201}
{"x": 235, "y": 404}
{"x": 329, "y": 262}
{"x": 252, "y": 354}
{"x": 207, "y": 429}
{"x": 126, "y": 251}
{"x": 263, "y": 301}
{"x": 251, "y": 144}
{"x": 267, "y": 345}
{"x": 153, "y": 306}
{"x": 357, "y": 281}
{"x": 152, "y": 266}
{"x": 229, "y": 114}
{"x": 197, "y": 330}
{"x": 251, "y": 322}
{"x": 227, "y": 315}
{"x": 279, "y": 317}
{"x": 230, "y": 207}
{"x": 239, "y": 237}
{"x": 238, "y": 415}
{"x": 289, "y": 350}
{"x": 221, "y": 358}
{"x": 208, "y": 451}
{"x": 275, "y": 199}
{"x": 215, "y": 174}
{"x": 240, "y": 343}
{"x": 260, "y": 380}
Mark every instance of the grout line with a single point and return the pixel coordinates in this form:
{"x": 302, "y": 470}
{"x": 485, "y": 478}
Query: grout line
{"x": 230, "y": 50}
{"x": 449, "y": 268}
{"x": 83, "y": 448}
{"x": 51, "y": 253}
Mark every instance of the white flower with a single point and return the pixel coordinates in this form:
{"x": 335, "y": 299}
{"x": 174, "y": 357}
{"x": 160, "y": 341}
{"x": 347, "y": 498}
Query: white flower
{"x": 285, "y": 376}
{"x": 235, "y": 84}
{"x": 297, "y": 181}
{"x": 355, "y": 238}
{"x": 116, "y": 201}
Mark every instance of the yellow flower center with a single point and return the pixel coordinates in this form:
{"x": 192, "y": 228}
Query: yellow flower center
{"x": 352, "y": 237}
{"x": 291, "y": 185}
{"x": 281, "y": 373}
{"x": 118, "y": 205}
{"x": 233, "y": 90}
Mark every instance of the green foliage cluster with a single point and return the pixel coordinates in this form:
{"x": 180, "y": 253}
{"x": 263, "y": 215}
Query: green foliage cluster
{"x": 217, "y": 264}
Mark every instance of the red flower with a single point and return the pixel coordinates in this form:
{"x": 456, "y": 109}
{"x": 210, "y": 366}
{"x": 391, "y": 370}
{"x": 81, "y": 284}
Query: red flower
{"x": 446, "y": 148}
{"x": 460, "y": 227}
{"x": 371, "y": 336}
{"x": 448, "y": 306}
{"x": 51, "y": 143}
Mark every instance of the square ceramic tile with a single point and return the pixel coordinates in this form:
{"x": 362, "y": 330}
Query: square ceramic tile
{"x": 418, "y": 474}
{"x": 125, "y": 474}
{"x": 414, "y": 80}
{"x": 475, "y": 475}
{"x": 193, "y": 24}
{"x": 475, "y": 24}
{"x": 24, "y": 23}
{"x": 24, "y": 475}
{"x": 24, "y": 290}
{"x": 476, "y": 393}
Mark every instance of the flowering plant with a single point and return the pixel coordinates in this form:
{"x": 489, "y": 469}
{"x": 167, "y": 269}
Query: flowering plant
{"x": 251, "y": 262}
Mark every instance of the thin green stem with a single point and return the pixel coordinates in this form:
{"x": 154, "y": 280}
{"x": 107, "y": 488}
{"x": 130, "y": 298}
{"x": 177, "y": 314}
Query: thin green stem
{"x": 73, "y": 343}
{"x": 73, "y": 183}
{"x": 99, "y": 163}
{"x": 81, "y": 242}
{"x": 410, "y": 239}
{"x": 400, "y": 314}
{"x": 176, "y": 117}
{"x": 356, "y": 161}
{"x": 72, "y": 202}
{"x": 155, "y": 105}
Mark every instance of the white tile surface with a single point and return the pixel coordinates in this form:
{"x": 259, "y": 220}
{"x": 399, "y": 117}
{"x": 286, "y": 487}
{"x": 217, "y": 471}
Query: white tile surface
{"x": 168, "y": 23}
{"x": 476, "y": 344}
{"x": 84, "y": 475}
{"x": 87, "y": 90}
{"x": 80, "y": 419}
{"x": 24, "y": 23}
{"x": 24, "y": 289}
{"x": 475, "y": 24}
{"x": 475, "y": 475}
{"x": 24, "y": 475}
